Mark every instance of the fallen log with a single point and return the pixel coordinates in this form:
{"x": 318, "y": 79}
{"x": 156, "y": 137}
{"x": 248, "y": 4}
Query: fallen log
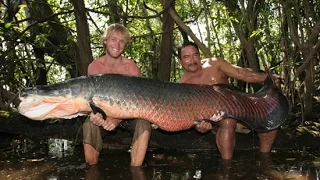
{"x": 20, "y": 125}
{"x": 16, "y": 124}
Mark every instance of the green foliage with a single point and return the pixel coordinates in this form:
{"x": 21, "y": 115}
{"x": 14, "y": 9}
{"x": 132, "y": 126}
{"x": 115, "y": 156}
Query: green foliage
{"x": 41, "y": 40}
{"x": 4, "y": 114}
{"x": 7, "y": 25}
{"x": 310, "y": 127}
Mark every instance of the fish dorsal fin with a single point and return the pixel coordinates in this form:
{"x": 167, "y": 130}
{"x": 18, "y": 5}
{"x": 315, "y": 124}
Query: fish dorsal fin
{"x": 96, "y": 109}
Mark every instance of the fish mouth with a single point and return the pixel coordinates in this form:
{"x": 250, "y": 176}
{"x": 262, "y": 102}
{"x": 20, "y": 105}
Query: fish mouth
{"x": 39, "y": 107}
{"x": 36, "y": 113}
{"x": 29, "y": 107}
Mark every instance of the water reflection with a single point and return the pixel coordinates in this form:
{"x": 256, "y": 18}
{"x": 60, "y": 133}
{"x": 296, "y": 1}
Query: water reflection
{"x": 257, "y": 166}
{"x": 137, "y": 173}
{"x": 60, "y": 147}
{"x": 93, "y": 173}
{"x": 20, "y": 161}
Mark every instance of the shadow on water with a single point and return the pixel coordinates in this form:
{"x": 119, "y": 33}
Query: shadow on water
{"x": 21, "y": 158}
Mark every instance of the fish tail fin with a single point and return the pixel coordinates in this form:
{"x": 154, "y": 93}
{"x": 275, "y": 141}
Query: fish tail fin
{"x": 270, "y": 82}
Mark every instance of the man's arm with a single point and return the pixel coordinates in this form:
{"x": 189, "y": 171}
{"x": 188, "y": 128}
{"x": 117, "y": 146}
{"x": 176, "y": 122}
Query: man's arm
{"x": 110, "y": 123}
{"x": 245, "y": 74}
{"x": 130, "y": 68}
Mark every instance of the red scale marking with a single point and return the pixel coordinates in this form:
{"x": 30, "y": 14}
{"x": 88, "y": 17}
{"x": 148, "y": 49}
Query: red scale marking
{"x": 227, "y": 103}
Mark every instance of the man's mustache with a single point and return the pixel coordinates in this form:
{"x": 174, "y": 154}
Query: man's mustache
{"x": 192, "y": 64}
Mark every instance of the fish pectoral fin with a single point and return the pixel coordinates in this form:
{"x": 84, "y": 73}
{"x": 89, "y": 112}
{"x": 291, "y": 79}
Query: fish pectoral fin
{"x": 198, "y": 121}
{"x": 96, "y": 109}
{"x": 154, "y": 126}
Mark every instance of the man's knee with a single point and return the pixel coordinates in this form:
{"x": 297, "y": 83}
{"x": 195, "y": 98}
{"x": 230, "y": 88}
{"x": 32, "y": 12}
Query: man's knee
{"x": 92, "y": 135}
{"x": 268, "y": 134}
{"x": 140, "y": 127}
{"x": 229, "y": 124}
{"x": 86, "y": 124}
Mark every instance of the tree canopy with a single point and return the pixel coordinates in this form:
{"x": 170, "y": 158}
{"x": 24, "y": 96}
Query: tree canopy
{"x": 47, "y": 41}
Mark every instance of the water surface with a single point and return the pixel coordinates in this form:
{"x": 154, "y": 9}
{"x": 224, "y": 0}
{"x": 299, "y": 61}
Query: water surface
{"x": 24, "y": 159}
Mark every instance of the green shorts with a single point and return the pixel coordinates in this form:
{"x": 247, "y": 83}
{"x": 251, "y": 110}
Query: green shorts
{"x": 93, "y": 134}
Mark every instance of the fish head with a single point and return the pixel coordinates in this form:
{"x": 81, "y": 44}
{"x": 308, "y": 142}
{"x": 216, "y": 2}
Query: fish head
{"x": 52, "y": 101}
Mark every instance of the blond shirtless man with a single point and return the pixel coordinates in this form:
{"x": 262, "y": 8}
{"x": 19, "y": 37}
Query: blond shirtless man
{"x": 115, "y": 40}
{"x": 217, "y": 71}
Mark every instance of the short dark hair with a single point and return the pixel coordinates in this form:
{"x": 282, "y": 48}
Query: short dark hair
{"x": 185, "y": 44}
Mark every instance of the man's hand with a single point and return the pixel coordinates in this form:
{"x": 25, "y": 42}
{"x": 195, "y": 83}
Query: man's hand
{"x": 109, "y": 124}
{"x": 276, "y": 79}
{"x": 203, "y": 127}
{"x": 96, "y": 119}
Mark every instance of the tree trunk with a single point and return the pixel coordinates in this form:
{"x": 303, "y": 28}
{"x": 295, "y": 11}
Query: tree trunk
{"x": 41, "y": 68}
{"x": 114, "y": 11}
{"x": 6, "y": 98}
{"x": 186, "y": 29}
{"x": 83, "y": 36}
{"x": 308, "y": 94}
{"x": 151, "y": 58}
{"x": 166, "y": 50}
{"x": 245, "y": 28}
{"x": 308, "y": 46}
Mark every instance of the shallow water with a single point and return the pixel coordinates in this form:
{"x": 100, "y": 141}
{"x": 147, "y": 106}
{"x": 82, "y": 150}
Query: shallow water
{"x": 24, "y": 159}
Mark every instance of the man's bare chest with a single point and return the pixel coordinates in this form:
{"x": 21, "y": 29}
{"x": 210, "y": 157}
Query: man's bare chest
{"x": 208, "y": 78}
{"x": 105, "y": 69}
{"x": 199, "y": 79}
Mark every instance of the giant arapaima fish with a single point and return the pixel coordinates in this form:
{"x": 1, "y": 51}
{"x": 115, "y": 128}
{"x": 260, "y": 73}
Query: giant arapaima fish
{"x": 170, "y": 106}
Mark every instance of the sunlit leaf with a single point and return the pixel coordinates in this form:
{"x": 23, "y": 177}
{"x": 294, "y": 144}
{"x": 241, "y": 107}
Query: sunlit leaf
{"x": 7, "y": 25}
{"x": 22, "y": 6}
{"x": 255, "y": 33}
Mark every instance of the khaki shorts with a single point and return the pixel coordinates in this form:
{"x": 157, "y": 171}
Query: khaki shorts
{"x": 93, "y": 134}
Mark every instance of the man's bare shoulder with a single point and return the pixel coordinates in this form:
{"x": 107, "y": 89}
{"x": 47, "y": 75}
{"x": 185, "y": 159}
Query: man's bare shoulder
{"x": 95, "y": 66}
{"x": 127, "y": 61}
{"x": 131, "y": 66}
{"x": 97, "y": 61}
{"x": 213, "y": 60}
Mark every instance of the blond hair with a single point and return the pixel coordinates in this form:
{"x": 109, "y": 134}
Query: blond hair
{"x": 115, "y": 28}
